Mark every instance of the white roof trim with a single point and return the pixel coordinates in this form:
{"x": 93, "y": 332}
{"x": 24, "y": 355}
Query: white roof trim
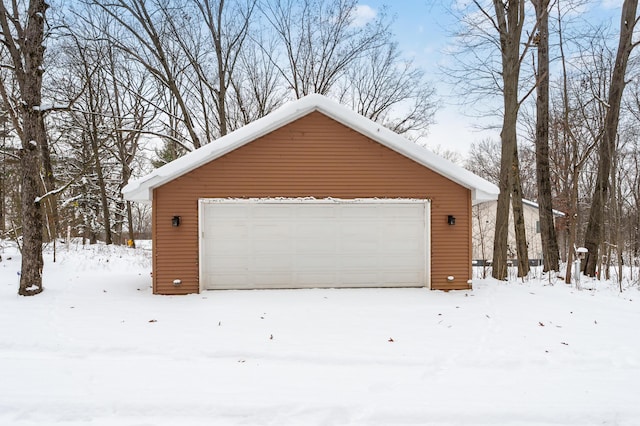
{"x": 142, "y": 189}
{"x": 533, "y": 204}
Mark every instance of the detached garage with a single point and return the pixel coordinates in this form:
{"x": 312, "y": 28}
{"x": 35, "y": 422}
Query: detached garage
{"x": 312, "y": 195}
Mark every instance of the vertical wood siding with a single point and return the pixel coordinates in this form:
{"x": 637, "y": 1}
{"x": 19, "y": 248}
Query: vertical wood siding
{"x": 314, "y": 156}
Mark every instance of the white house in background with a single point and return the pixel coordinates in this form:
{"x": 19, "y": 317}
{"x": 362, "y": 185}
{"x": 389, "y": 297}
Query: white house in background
{"x": 483, "y": 228}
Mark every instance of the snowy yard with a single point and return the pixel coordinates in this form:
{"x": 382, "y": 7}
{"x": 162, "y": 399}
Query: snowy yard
{"x": 97, "y": 348}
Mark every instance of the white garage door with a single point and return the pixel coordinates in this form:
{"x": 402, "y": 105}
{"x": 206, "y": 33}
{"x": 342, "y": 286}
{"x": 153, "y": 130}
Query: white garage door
{"x": 299, "y": 243}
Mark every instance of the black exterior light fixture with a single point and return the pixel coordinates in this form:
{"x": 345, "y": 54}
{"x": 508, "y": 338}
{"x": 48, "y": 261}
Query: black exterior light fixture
{"x": 175, "y": 221}
{"x": 451, "y": 219}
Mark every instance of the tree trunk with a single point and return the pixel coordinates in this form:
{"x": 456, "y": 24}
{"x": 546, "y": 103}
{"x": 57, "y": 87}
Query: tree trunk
{"x": 124, "y": 207}
{"x": 522, "y": 249}
{"x": 550, "y": 251}
{"x": 510, "y": 28}
{"x": 222, "y": 73}
{"x": 32, "y": 263}
{"x": 104, "y": 202}
{"x": 151, "y": 48}
{"x": 4, "y": 133}
{"x": 477, "y": 211}
{"x": 93, "y": 136}
{"x": 132, "y": 240}
{"x": 617, "y": 217}
{"x": 595, "y": 229}
{"x": 49, "y": 185}
{"x": 2, "y": 195}
{"x": 573, "y": 216}
{"x": 25, "y": 45}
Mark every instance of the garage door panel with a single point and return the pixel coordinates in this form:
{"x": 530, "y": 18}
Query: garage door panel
{"x": 310, "y": 279}
{"x": 314, "y": 229}
{"x": 313, "y": 243}
{"x": 276, "y": 245}
{"x": 405, "y": 212}
{"x": 316, "y": 212}
{"x": 311, "y": 247}
{"x": 273, "y": 211}
{"x": 408, "y": 246}
{"x": 228, "y": 231}
{"x": 401, "y": 278}
{"x": 361, "y": 229}
{"x": 350, "y": 246}
{"x": 271, "y": 229}
{"x": 227, "y": 211}
{"x": 398, "y": 230}
{"x": 226, "y": 263}
{"x": 316, "y": 262}
{"x": 359, "y": 262}
{"x": 236, "y": 280}
{"x": 222, "y": 247}
{"x": 272, "y": 262}
{"x": 359, "y": 278}
{"x": 273, "y": 279}
{"x": 399, "y": 263}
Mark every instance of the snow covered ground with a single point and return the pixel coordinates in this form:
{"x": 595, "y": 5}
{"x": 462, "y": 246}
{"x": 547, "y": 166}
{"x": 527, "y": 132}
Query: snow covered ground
{"x": 97, "y": 348}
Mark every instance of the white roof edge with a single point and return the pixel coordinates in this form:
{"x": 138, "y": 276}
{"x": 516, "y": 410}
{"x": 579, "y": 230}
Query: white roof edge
{"x": 537, "y": 206}
{"x": 479, "y": 196}
{"x": 533, "y": 204}
{"x": 142, "y": 189}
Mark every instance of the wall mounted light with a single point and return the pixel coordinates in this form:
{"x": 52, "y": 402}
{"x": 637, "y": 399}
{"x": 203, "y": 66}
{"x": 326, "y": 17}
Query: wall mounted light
{"x": 175, "y": 221}
{"x": 451, "y": 220}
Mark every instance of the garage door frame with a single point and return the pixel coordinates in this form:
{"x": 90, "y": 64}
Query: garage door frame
{"x": 426, "y": 203}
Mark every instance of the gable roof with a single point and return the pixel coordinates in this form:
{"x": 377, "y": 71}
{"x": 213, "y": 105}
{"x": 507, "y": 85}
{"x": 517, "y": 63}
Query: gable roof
{"x": 142, "y": 189}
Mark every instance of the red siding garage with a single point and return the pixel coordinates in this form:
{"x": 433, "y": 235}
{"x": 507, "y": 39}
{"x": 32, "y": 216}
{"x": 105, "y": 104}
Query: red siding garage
{"x": 285, "y": 186}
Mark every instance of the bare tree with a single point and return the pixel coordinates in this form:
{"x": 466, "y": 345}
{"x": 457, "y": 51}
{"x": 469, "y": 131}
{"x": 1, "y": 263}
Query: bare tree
{"x": 484, "y": 159}
{"x": 228, "y": 33}
{"x": 522, "y": 247}
{"x": 492, "y": 30}
{"x": 381, "y": 83}
{"x": 577, "y": 129}
{"x": 321, "y": 41}
{"x": 143, "y": 33}
{"x": 550, "y": 249}
{"x": 508, "y": 22}
{"x": 4, "y": 135}
{"x": 257, "y": 84}
{"x": 634, "y": 183}
{"x": 594, "y": 232}
{"x": 482, "y": 233}
{"x": 98, "y": 135}
{"x": 23, "y": 37}
{"x": 213, "y": 55}
{"x": 90, "y": 57}
{"x": 129, "y": 115}
{"x": 615, "y": 212}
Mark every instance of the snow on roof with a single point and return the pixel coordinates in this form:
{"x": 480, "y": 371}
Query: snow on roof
{"x": 142, "y": 189}
{"x": 529, "y": 203}
{"x": 535, "y": 205}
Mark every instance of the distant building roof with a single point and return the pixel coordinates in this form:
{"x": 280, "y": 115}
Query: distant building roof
{"x": 534, "y": 204}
